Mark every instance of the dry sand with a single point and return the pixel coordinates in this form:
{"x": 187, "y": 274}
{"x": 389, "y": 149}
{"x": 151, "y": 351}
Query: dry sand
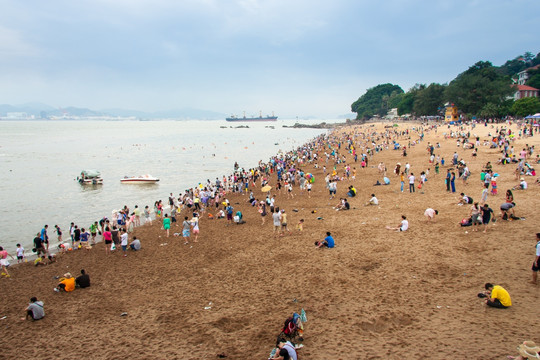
{"x": 377, "y": 295}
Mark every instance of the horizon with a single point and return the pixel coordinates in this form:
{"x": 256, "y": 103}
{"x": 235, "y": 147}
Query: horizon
{"x": 300, "y": 58}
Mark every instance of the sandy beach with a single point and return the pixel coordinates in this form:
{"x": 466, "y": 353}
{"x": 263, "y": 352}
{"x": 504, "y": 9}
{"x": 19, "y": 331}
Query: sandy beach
{"x": 378, "y": 294}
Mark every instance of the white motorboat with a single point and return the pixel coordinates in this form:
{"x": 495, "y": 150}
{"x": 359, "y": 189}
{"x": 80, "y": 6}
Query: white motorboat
{"x": 141, "y": 179}
{"x": 90, "y": 177}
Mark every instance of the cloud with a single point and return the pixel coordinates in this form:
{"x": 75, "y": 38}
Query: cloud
{"x": 230, "y": 55}
{"x": 13, "y": 45}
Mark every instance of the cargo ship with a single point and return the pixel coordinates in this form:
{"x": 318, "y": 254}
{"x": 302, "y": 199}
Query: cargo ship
{"x": 259, "y": 118}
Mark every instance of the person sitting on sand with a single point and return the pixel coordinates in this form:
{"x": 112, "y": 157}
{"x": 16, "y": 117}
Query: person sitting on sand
{"x": 372, "y": 201}
{"x": 40, "y": 260}
{"x": 285, "y": 350}
{"x": 67, "y": 283}
{"x": 34, "y": 310}
{"x": 403, "y": 226}
{"x": 430, "y": 214}
{"x": 327, "y": 242}
{"x": 351, "y": 192}
{"x": 465, "y": 199}
{"x": 527, "y": 350}
{"x": 498, "y": 297}
{"x": 135, "y": 244}
{"x": 82, "y": 281}
{"x": 343, "y": 205}
{"x": 221, "y": 214}
{"x": 522, "y": 185}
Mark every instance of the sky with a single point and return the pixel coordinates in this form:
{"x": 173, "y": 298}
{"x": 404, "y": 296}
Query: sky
{"x": 293, "y": 57}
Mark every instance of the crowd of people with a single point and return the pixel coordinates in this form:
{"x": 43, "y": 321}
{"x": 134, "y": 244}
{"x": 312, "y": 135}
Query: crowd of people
{"x": 284, "y": 176}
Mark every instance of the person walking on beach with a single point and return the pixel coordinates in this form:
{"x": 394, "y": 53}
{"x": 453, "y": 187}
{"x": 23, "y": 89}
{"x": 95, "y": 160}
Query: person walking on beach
{"x": 77, "y": 236}
{"x": 229, "y": 211}
{"x": 147, "y": 218}
{"x": 137, "y": 213}
{"x": 166, "y": 223}
{"x": 93, "y": 231}
{"x": 195, "y": 224}
{"x": 72, "y": 234}
{"x": 58, "y": 232}
{"x": 107, "y": 238}
{"x": 4, "y": 261}
{"x": 536, "y": 262}
{"x": 284, "y": 226}
{"x": 487, "y": 213}
{"x": 411, "y": 183}
{"x": 402, "y": 180}
{"x": 45, "y": 237}
{"x": 124, "y": 241}
{"x": 476, "y": 216}
{"x": 262, "y": 211}
{"x": 453, "y": 182}
{"x": 447, "y": 180}
{"x": 186, "y": 230}
{"x": 20, "y": 254}
{"x": 276, "y": 217}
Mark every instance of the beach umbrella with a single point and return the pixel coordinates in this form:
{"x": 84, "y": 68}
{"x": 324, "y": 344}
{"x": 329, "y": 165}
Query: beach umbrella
{"x": 266, "y": 188}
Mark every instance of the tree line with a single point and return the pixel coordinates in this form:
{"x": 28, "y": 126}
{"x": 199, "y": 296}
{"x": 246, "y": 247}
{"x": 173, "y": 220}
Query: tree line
{"x": 483, "y": 90}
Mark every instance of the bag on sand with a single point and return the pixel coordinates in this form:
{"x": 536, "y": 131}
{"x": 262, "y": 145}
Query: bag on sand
{"x": 113, "y": 247}
{"x": 303, "y": 316}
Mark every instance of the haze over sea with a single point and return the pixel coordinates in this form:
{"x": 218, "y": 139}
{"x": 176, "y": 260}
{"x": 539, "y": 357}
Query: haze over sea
{"x": 40, "y": 161}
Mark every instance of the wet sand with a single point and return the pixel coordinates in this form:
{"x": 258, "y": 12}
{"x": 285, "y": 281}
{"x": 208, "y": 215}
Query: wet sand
{"x": 378, "y": 295}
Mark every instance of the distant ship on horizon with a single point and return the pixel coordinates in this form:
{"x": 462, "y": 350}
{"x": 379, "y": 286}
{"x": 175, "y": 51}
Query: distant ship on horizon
{"x": 259, "y": 118}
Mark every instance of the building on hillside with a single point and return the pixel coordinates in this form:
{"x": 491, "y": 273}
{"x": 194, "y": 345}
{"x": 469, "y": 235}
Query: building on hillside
{"x": 392, "y": 114}
{"x": 523, "y": 76}
{"x": 450, "y": 113}
{"x": 524, "y": 91}
{"x": 16, "y": 116}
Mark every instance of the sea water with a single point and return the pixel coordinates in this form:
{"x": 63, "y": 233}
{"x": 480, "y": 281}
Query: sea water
{"x": 40, "y": 161}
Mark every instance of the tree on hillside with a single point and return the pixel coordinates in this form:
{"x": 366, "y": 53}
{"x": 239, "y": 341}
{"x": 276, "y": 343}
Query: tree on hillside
{"x": 512, "y": 67}
{"x": 375, "y": 101}
{"x": 534, "y": 78}
{"x": 406, "y": 105}
{"x": 429, "y": 100}
{"x": 536, "y": 60}
{"x": 476, "y": 87}
{"x": 526, "y": 106}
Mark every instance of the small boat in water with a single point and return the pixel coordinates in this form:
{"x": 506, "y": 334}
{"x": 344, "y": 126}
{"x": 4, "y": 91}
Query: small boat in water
{"x": 90, "y": 177}
{"x": 141, "y": 179}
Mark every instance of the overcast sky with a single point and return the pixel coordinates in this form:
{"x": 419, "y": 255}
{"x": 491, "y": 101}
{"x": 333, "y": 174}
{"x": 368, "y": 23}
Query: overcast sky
{"x": 294, "y": 57}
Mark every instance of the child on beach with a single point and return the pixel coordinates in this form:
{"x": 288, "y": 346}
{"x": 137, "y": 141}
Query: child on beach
{"x": 186, "y": 230}
{"x": 403, "y": 226}
{"x": 124, "y": 241}
{"x": 58, "y": 232}
{"x": 195, "y": 222}
{"x": 300, "y": 225}
{"x": 4, "y": 261}
{"x": 147, "y": 219}
{"x": 20, "y": 254}
{"x": 167, "y": 223}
